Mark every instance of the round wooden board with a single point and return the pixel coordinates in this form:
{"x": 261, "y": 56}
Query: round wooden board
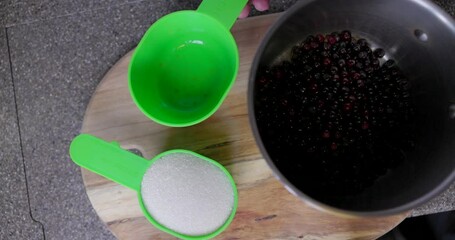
{"x": 266, "y": 209}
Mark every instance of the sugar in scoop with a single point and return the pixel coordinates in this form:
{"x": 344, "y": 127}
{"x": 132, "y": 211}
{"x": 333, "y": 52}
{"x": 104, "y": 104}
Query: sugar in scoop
{"x": 187, "y": 194}
{"x": 180, "y": 192}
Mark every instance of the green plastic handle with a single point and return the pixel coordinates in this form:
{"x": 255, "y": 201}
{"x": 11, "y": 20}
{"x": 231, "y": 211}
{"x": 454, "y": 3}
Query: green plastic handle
{"x": 225, "y": 11}
{"x": 108, "y": 160}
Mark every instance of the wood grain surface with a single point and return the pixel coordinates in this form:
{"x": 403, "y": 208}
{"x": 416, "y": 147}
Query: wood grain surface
{"x": 266, "y": 209}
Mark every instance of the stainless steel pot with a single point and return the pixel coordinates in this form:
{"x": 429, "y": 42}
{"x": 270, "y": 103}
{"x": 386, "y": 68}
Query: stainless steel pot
{"x": 421, "y": 38}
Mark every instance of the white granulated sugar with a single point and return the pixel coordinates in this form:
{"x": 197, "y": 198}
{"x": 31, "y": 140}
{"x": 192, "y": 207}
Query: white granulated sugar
{"x": 187, "y": 194}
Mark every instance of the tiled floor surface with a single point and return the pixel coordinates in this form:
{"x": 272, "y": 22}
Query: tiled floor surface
{"x": 52, "y": 56}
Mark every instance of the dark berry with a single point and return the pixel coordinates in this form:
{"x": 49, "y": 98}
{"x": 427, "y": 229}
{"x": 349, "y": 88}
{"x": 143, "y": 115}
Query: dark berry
{"x": 326, "y": 134}
{"x": 389, "y": 63}
{"x": 360, "y": 83}
{"x": 262, "y": 80}
{"x": 327, "y": 61}
{"x": 309, "y": 39}
{"x": 356, "y": 47}
{"x": 331, "y": 39}
{"x": 279, "y": 74}
{"x": 362, "y": 55}
{"x": 345, "y": 36}
{"x": 356, "y": 75}
{"x": 326, "y": 46}
{"x": 359, "y": 65}
{"x": 343, "y": 51}
{"x": 379, "y": 53}
{"x": 362, "y": 42}
{"x": 341, "y": 62}
{"x": 307, "y": 46}
{"x": 375, "y": 63}
{"x": 347, "y": 107}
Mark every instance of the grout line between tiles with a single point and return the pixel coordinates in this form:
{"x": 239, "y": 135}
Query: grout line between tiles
{"x": 20, "y": 137}
{"x": 70, "y": 14}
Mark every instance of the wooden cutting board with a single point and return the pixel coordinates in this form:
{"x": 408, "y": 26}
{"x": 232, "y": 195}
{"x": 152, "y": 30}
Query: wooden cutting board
{"x": 266, "y": 209}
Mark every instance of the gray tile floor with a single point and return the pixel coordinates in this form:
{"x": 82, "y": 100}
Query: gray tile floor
{"x": 52, "y": 56}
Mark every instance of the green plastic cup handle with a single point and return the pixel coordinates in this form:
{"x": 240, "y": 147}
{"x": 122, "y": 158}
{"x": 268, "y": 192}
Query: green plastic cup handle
{"x": 225, "y": 11}
{"x": 109, "y": 160}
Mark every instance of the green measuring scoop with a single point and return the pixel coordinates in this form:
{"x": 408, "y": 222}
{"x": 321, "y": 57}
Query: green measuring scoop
{"x": 186, "y": 63}
{"x": 121, "y": 166}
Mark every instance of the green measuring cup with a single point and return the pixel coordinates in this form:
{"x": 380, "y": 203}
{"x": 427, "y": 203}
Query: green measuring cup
{"x": 186, "y": 63}
{"x": 111, "y": 161}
